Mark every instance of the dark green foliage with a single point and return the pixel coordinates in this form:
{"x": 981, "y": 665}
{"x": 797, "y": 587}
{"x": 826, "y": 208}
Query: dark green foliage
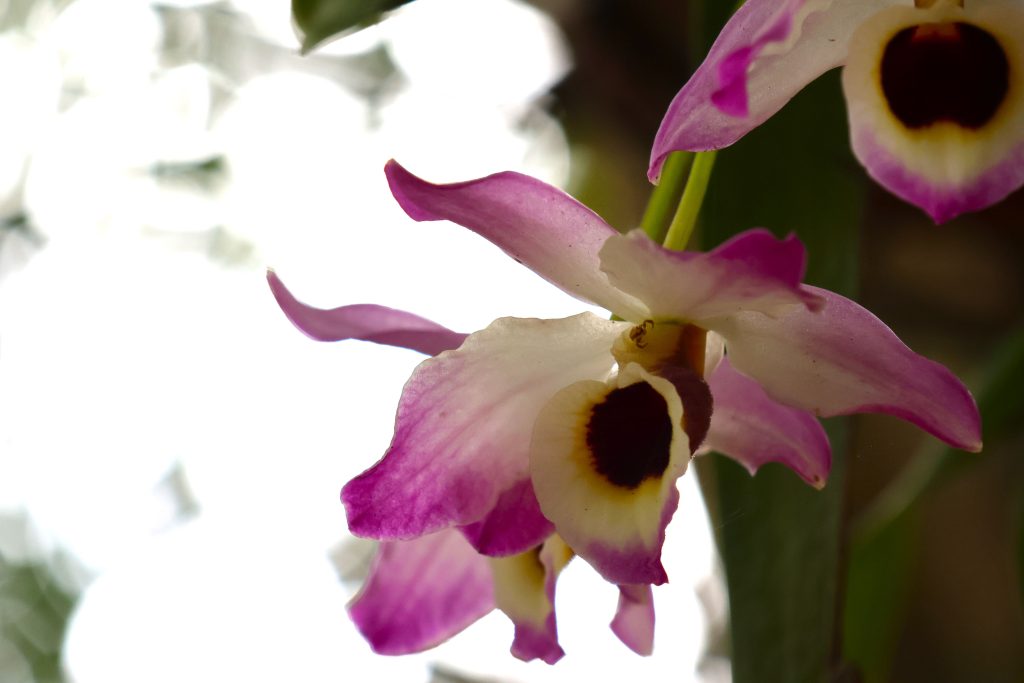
{"x": 321, "y": 20}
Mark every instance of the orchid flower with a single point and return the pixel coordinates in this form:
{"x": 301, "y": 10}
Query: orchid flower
{"x": 934, "y": 90}
{"x": 579, "y": 427}
{"x": 421, "y": 592}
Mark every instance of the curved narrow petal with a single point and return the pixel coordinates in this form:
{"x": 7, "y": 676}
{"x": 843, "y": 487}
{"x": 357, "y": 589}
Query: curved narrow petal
{"x": 422, "y": 592}
{"x": 604, "y": 460}
{"x": 524, "y": 589}
{"x": 844, "y": 360}
{"x": 634, "y": 618}
{"x": 367, "y": 322}
{"x": 753, "y": 271}
{"x": 936, "y": 103}
{"x": 462, "y": 432}
{"x": 752, "y": 429}
{"x": 767, "y": 52}
{"x": 514, "y": 523}
{"x": 538, "y": 225}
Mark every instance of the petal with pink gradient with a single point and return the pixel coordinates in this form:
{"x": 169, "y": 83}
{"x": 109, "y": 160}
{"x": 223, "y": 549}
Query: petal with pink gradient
{"x": 936, "y": 103}
{"x": 462, "y": 432}
{"x": 367, "y": 322}
{"x": 524, "y": 589}
{"x": 843, "y": 360}
{"x": 766, "y": 53}
{"x": 537, "y": 224}
{"x": 514, "y": 523}
{"x": 752, "y": 429}
{"x": 604, "y": 460}
{"x": 420, "y": 593}
{"x": 752, "y": 271}
{"x": 634, "y": 618}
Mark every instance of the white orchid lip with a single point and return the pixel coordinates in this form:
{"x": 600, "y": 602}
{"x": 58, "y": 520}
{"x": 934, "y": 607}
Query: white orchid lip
{"x": 936, "y": 103}
{"x": 953, "y": 72}
{"x": 604, "y": 459}
{"x": 629, "y": 435}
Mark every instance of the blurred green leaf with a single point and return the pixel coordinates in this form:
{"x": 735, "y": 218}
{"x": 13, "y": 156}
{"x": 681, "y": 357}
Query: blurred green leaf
{"x": 1001, "y": 400}
{"x": 877, "y": 589}
{"x": 320, "y": 20}
{"x": 1001, "y": 403}
{"x": 779, "y": 538}
{"x": 1020, "y": 545}
{"x": 882, "y": 549}
{"x": 34, "y": 611}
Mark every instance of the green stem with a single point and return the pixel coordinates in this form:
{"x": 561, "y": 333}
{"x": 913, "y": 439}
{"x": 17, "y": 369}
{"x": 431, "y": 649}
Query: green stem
{"x": 683, "y": 223}
{"x": 666, "y": 195}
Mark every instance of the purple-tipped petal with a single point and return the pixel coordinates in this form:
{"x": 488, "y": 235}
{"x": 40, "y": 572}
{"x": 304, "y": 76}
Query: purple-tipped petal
{"x": 752, "y": 271}
{"x": 842, "y": 360}
{"x": 462, "y": 433}
{"x": 634, "y": 618}
{"x": 767, "y": 52}
{"x": 752, "y": 429}
{"x": 538, "y": 225}
{"x": 942, "y": 200}
{"x": 524, "y": 589}
{"x": 634, "y": 562}
{"x": 367, "y": 322}
{"x": 516, "y": 522}
{"x": 929, "y": 150}
{"x": 604, "y": 460}
{"x": 530, "y": 643}
{"x": 422, "y": 592}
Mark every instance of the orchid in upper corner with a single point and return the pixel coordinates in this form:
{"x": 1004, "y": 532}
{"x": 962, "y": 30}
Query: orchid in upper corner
{"x": 934, "y": 90}
{"x": 528, "y": 442}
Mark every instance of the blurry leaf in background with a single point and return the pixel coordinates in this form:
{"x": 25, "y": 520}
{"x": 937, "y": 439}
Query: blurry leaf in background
{"x": 1020, "y": 546}
{"x": 877, "y": 591}
{"x": 779, "y": 538}
{"x": 1001, "y": 404}
{"x": 884, "y": 544}
{"x": 320, "y": 20}
{"x": 443, "y": 674}
{"x": 33, "y": 615}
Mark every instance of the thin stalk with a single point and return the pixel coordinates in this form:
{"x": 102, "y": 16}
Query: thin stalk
{"x": 683, "y": 223}
{"x": 666, "y": 195}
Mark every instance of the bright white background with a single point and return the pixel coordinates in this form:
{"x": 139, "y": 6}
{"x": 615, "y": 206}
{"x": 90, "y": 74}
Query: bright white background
{"x": 171, "y": 449}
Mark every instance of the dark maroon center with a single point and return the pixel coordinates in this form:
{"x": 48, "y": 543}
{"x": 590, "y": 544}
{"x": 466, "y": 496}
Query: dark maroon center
{"x": 944, "y": 72}
{"x": 629, "y": 435}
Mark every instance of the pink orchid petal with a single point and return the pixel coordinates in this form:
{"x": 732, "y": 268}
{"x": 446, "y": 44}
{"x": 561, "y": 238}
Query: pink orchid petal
{"x": 514, "y": 523}
{"x": 538, "y": 225}
{"x": 842, "y": 360}
{"x": 753, "y": 271}
{"x": 634, "y": 618}
{"x": 463, "y": 428}
{"x": 767, "y": 52}
{"x": 367, "y": 322}
{"x": 422, "y": 592}
{"x": 752, "y": 429}
{"x": 531, "y": 643}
